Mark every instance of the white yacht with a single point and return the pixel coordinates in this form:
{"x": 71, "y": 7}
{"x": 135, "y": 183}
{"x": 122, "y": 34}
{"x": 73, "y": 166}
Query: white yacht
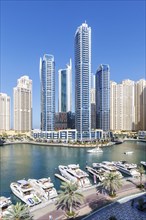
{"x": 127, "y": 168}
{"x": 5, "y": 202}
{"x": 24, "y": 190}
{"x": 95, "y": 150}
{"x": 107, "y": 165}
{"x": 74, "y": 174}
{"x": 99, "y": 174}
{"x": 143, "y": 163}
{"x": 96, "y": 165}
{"x": 44, "y": 187}
{"x": 128, "y": 152}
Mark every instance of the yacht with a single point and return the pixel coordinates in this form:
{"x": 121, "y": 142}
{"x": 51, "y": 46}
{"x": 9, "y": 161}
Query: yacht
{"x": 44, "y": 187}
{"x": 5, "y": 202}
{"x": 143, "y": 163}
{"x": 107, "y": 165}
{"x": 128, "y": 152}
{"x": 127, "y": 168}
{"x": 98, "y": 173}
{"x": 95, "y": 150}
{"x": 24, "y": 190}
{"x": 74, "y": 174}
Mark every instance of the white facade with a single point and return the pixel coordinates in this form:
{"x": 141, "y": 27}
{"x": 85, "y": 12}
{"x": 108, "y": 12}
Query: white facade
{"x": 140, "y": 105}
{"x": 122, "y": 106}
{"x": 4, "y": 112}
{"x": 22, "y": 95}
{"x": 83, "y": 81}
{"x": 65, "y": 89}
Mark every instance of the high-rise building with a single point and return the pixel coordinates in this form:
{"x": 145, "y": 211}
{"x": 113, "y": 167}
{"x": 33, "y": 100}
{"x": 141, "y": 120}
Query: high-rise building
{"x": 47, "y": 78}
{"x": 65, "y": 89}
{"x": 140, "y": 105}
{"x": 103, "y": 97}
{"x": 122, "y": 106}
{"x": 83, "y": 81}
{"x": 4, "y": 112}
{"x": 23, "y": 105}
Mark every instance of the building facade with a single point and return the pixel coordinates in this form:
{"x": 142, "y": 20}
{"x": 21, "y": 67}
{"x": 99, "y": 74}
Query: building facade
{"x": 47, "y": 78}
{"x": 65, "y": 89}
{"x": 4, "y": 112}
{"x": 22, "y": 95}
{"x": 83, "y": 81}
{"x": 103, "y": 97}
{"x": 122, "y": 110}
{"x": 140, "y": 105}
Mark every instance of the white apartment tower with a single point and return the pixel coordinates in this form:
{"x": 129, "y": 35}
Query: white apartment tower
{"x": 83, "y": 81}
{"x": 65, "y": 89}
{"x": 22, "y": 94}
{"x": 122, "y": 106}
{"x": 140, "y": 105}
{"x": 4, "y": 112}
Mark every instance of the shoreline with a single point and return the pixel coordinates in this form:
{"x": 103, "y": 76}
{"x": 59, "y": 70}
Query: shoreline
{"x": 66, "y": 145}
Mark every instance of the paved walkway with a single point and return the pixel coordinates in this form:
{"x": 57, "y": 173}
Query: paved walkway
{"x": 124, "y": 211}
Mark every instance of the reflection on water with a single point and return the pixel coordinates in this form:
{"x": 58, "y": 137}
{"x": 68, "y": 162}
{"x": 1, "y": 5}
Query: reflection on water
{"x": 33, "y": 161}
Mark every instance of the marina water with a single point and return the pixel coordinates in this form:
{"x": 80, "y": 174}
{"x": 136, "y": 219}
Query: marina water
{"x": 24, "y": 161}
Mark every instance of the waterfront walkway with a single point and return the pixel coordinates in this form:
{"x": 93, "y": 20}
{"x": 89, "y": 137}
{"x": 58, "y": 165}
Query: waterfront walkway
{"x": 95, "y": 201}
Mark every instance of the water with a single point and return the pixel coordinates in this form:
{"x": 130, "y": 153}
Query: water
{"x": 33, "y": 161}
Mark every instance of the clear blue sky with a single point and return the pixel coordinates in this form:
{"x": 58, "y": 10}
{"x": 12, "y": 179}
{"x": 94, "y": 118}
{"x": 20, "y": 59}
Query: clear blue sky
{"x": 31, "y": 28}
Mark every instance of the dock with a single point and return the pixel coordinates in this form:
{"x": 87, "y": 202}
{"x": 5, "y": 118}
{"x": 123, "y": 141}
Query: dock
{"x": 61, "y": 178}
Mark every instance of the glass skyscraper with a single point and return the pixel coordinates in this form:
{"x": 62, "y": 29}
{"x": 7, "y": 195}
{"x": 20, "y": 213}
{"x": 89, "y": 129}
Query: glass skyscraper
{"x": 103, "y": 97}
{"x": 65, "y": 89}
{"x": 83, "y": 81}
{"x": 47, "y": 77}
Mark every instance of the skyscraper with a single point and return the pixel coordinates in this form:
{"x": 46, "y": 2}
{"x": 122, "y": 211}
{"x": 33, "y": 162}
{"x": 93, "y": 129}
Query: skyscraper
{"x": 103, "y": 97}
{"x": 4, "y": 112}
{"x": 83, "y": 80}
{"x": 23, "y": 105}
{"x": 47, "y": 78}
{"x": 65, "y": 89}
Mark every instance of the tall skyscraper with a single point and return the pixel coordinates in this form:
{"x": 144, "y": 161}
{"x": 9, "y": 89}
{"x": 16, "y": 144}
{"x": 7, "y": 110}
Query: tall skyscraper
{"x": 140, "y": 105}
{"x": 23, "y": 105}
{"x": 103, "y": 97}
{"x": 47, "y": 78}
{"x": 65, "y": 89}
{"x": 4, "y": 112}
{"x": 122, "y": 111}
{"x": 83, "y": 81}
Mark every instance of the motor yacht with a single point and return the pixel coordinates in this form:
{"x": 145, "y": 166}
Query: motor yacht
{"x": 107, "y": 165}
{"x": 74, "y": 174}
{"x": 128, "y": 152}
{"x": 143, "y": 163}
{"x": 5, "y": 202}
{"x": 24, "y": 190}
{"x": 44, "y": 187}
{"x": 95, "y": 150}
{"x": 99, "y": 174}
{"x": 127, "y": 168}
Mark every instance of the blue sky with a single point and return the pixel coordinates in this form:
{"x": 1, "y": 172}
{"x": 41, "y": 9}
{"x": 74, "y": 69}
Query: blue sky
{"x": 30, "y": 29}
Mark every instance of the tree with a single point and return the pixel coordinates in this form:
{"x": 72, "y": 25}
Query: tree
{"x": 141, "y": 172}
{"x": 18, "y": 212}
{"x": 69, "y": 199}
{"x": 112, "y": 182}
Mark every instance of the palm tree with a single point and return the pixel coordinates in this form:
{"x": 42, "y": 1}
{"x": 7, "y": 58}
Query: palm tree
{"x": 18, "y": 212}
{"x": 69, "y": 199}
{"x": 141, "y": 172}
{"x": 111, "y": 182}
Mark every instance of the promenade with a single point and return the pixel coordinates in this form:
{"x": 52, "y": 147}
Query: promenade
{"x": 99, "y": 201}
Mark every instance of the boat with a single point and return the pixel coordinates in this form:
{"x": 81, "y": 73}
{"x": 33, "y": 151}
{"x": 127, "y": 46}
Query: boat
{"x": 44, "y": 187}
{"x": 24, "y": 191}
{"x": 127, "y": 168}
{"x": 74, "y": 174}
{"x": 5, "y": 202}
{"x": 99, "y": 174}
{"x": 128, "y": 152}
{"x": 95, "y": 150}
{"x": 143, "y": 163}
